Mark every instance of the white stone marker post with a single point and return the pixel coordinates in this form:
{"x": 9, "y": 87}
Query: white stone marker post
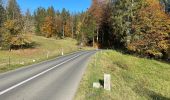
{"x": 62, "y": 52}
{"x": 107, "y": 84}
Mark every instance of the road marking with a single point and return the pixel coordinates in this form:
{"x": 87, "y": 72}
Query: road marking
{"x": 31, "y": 78}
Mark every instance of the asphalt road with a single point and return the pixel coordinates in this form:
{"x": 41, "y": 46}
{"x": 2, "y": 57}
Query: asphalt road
{"x": 56, "y": 79}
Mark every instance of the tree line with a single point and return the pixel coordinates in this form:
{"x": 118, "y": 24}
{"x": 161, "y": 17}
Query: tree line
{"x": 61, "y": 24}
{"x": 16, "y": 27}
{"x": 137, "y": 26}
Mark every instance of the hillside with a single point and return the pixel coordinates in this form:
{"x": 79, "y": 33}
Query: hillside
{"x": 132, "y": 78}
{"x": 44, "y": 48}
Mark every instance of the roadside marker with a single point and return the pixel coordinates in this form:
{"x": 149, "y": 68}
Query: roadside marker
{"x": 107, "y": 79}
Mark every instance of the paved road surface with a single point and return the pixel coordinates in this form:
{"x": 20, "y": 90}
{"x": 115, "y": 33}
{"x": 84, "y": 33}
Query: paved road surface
{"x": 57, "y": 79}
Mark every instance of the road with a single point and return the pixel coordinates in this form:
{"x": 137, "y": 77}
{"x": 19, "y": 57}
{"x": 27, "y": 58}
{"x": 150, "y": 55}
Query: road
{"x": 56, "y": 79}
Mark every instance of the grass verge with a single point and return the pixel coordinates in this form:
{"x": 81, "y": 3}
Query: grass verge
{"x": 132, "y": 78}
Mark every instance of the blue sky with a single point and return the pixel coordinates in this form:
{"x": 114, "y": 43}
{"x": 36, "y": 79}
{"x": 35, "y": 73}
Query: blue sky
{"x": 71, "y": 5}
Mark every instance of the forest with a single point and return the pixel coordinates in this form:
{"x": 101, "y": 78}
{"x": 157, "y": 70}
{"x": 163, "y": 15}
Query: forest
{"x": 140, "y": 27}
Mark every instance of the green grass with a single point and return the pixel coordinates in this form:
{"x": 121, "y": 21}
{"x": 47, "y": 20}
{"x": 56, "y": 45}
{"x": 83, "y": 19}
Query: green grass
{"x": 132, "y": 78}
{"x": 43, "y": 46}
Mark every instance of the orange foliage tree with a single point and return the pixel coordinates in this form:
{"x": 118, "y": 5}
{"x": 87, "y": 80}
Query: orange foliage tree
{"x": 151, "y": 26}
{"x": 48, "y": 27}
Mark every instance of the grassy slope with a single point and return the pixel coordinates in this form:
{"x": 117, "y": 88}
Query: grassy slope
{"x": 39, "y": 53}
{"x": 132, "y": 78}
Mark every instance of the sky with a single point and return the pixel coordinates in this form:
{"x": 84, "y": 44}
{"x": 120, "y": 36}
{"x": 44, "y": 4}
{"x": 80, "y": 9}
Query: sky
{"x": 71, "y": 5}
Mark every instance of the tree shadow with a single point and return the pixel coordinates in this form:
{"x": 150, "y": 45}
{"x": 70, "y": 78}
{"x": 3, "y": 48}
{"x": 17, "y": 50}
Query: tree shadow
{"x": 165, "y": 60}
{"x": 155, "y": 96}
{"x": 150, "y": 94}
{"x": 32, "y": 45}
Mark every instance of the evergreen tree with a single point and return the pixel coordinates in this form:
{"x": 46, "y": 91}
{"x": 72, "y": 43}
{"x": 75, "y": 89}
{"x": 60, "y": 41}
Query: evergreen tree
{"x": 121, "y": 18}
{"x": 51, "y": 11}
{"x": 64, "y": 15}
{"x": 2, "y": 19}
{"x": 13, "y": 10}
{"x": 2, "y": 13}
{"x": 39, "y": 16}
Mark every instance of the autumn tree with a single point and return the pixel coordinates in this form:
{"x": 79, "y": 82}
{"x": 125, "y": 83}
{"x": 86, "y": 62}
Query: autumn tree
{"x": 59, "y": 25}
{"x": 96, "y": 10}
{"x": 12, "y": 32}
{"x": 49, "y": 25}
{"x": 151, "y": 29}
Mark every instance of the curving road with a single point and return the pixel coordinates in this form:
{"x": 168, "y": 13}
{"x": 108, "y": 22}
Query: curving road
{"x": 56, "y": 79}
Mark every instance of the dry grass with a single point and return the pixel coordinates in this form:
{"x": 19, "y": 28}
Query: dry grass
{"x": 44, "y": 46}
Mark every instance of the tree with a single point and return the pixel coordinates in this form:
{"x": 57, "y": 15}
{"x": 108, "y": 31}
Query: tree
{"x": 106, "y": 32}
{"x": 59, "y": 26}
{"x": 39, "y": 16}
{"x": 51, "y": 11}
{"x": 28, "y": 26}
{"x": 74, "y": 25}
{"x": 49, "y": 25}
{"x": 2, "y": 19}
{"x": 97, "y": 11}
{"x": 151, "y": 29}
{"x": 121, "y": 21}
{"x": 2, "y": 14}
{"x": 64, "y": 15}
{"x": 68, "y": 27}
{"x": 13, "y": 36}
{"x": 88, "y": 29}
{"x": 13, "y": 10}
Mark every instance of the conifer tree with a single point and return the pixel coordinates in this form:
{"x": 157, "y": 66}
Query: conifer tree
{"x": 13, "y": 10}
{"x": 39, "y": 16}
{"x": 2, "y": 13}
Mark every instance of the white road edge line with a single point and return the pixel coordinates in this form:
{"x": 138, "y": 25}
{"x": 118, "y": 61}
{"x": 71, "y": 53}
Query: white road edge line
{"x": 31, "y": 78}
